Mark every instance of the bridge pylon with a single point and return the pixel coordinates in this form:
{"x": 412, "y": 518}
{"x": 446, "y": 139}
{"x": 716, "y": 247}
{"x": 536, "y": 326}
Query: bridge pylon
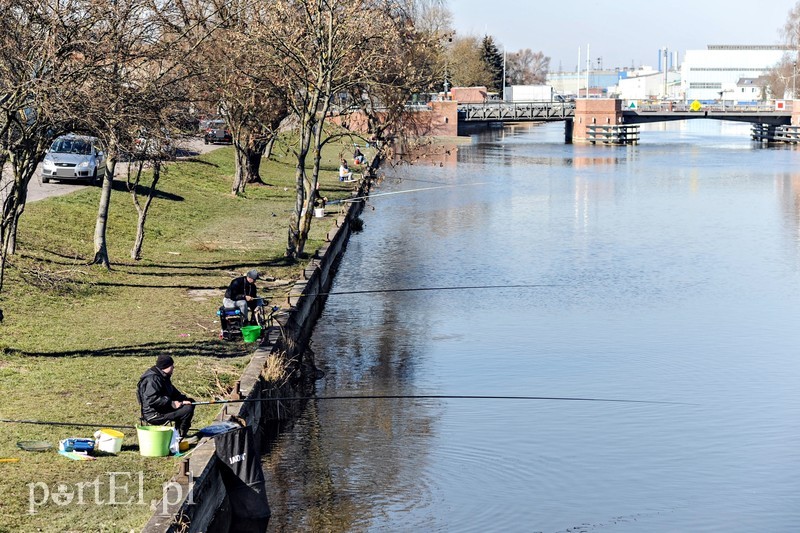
{"x": 594, "y": 112}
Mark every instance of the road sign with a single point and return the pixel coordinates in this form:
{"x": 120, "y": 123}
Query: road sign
{"x": 695, "y": 106}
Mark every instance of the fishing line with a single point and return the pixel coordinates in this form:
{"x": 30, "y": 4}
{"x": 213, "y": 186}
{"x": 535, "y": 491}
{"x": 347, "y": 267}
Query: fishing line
{"x": 366, "y": 397}
{"x": 68, "y": 424}
{"x": 414, "y": 179}
{"x": 456, "y": 288}
{"x": 438, "y": 397}
{"x": 367, "y": 196}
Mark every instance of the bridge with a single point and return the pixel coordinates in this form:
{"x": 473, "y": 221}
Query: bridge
{"x": 584, "y": 117}
{"x": 516, "y": 111}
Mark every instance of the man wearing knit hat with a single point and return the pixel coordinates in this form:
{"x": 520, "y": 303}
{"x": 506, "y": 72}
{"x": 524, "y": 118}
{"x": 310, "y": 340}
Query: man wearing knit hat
{"x": 241, "y": 294}
{"x": 160, "y": 401}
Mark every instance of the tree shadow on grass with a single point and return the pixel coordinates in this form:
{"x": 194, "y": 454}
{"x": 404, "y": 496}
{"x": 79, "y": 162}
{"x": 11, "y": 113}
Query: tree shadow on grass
{"x": 120, "y": 185}
{"x": 211, "y": 348}
{"x": 178, "y": 267}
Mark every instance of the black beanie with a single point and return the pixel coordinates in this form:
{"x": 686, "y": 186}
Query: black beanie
{"x": 164, "y": 361}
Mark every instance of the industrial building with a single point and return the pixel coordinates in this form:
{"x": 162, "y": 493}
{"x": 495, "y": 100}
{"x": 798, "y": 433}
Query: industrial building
{"x": 733, "y": 73}
{"x": 716, "y": 73}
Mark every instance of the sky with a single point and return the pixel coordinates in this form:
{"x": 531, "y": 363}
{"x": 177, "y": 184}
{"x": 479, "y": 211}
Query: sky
{"x": 623, "y": 33}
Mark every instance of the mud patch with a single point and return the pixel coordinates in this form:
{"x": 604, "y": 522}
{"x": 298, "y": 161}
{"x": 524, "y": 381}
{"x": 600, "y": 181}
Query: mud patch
{"x": 202, "y": 295}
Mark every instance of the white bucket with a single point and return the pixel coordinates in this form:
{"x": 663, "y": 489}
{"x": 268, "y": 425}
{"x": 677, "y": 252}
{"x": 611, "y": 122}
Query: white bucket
{"x": 108, "y": 440}
{"x": 319, "y": 212}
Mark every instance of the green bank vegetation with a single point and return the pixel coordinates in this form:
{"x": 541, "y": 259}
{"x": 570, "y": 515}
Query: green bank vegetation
{"x": 76, "y": 337}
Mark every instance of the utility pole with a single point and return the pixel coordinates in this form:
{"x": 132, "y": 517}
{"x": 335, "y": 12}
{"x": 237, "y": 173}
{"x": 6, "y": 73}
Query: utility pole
{"x": 588, "y": 68}
{"x": 504, "y": 74}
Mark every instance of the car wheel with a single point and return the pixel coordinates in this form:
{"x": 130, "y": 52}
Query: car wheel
{"x": 45, "y": 180}
{"x": 93, "y": 178}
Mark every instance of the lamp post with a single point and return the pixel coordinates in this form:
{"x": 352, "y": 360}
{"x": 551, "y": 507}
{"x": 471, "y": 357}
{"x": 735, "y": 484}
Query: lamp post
{"x": 794, "y": 80}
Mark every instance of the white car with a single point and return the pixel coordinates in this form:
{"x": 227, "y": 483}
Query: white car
{"x": 74, "y": 157}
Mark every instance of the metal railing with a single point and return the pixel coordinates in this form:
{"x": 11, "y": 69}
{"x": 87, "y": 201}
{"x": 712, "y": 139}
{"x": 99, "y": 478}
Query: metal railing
{"x": 516, "y": 111}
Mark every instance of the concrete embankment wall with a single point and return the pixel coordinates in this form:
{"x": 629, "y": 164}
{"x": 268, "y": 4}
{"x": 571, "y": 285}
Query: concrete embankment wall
{"x": 196, "y": 499}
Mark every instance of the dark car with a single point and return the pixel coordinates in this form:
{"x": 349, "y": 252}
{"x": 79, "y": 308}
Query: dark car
{"x": 216, "y": 132}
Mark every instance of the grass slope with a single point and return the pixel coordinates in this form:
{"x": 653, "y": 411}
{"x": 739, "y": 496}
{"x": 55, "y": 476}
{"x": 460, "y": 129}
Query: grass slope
{"x": 76, "y": 338}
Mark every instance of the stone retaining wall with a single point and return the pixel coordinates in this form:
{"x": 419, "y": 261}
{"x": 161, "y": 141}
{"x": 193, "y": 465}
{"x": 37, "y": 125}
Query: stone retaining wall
{"x": 195, "y": 500}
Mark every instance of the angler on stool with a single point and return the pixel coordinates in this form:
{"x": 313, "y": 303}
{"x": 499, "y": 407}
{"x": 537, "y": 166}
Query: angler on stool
{"x": 241, "y": 296}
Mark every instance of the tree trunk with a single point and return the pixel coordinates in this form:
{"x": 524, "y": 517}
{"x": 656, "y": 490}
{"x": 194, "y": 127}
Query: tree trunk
{"x": 101, "y": 225}
{"x": 270, "y": 144}
{"x": 293, "y": 246}
{"x": 239, "y": 180}
{"x": 136, "y": 251}
{"x": 11, "y": 245}
{"x": 253, "y": 156}
{"x": 311, "y": 184}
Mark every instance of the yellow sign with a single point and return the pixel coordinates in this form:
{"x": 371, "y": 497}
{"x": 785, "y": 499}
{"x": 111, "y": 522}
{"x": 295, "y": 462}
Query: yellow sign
{"x": 695, "y": 106}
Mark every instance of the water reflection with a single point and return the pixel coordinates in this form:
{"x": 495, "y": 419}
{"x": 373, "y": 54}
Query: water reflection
{"x": 672, "y": 272}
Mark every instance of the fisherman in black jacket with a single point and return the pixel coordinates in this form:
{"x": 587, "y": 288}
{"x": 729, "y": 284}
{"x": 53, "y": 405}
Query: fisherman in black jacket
{"x": 241, "y": 294}
{"x": 161, "y": 402}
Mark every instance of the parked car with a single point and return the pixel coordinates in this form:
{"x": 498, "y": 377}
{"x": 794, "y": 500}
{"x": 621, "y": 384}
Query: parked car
{"x": 216, "y": 132}
{"x": 160, "y": 146}
{"x": 74, "y": 157}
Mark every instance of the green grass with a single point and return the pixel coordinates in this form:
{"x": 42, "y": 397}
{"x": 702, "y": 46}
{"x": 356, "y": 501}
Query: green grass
{"x": 76, "y": 337}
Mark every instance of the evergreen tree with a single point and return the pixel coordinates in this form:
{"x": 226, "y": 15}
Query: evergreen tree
{"x": 494, "y": 62}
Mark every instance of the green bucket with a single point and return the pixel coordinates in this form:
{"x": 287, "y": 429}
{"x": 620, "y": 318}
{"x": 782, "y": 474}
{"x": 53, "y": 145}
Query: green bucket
{"x": 154, "y": 440}
{"x": 251, "y": 333}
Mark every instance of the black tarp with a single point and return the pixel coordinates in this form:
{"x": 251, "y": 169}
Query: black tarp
{"x": 244, "y": 480}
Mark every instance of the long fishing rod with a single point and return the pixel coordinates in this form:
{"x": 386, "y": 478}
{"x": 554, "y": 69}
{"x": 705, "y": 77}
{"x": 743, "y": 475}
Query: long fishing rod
{"x": 367, "y": 196}
{"x": 436, "y": 397}
{"x": 68, "y": 424}
{"x": 452, "y": 288}
{"x": 365, "y": 397}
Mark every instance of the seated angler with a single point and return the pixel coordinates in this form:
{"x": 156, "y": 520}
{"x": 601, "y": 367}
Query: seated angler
{"x": 160, "y": 401}
{"x": 241, "y": 294}
{"x": 344, "y": 172}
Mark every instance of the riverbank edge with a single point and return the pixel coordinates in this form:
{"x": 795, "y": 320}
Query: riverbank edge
{"x": 194, "y": 499}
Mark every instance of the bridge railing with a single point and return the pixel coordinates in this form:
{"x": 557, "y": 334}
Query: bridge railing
{"x": 516, "y": 111}
{"x": 715, "y": 108}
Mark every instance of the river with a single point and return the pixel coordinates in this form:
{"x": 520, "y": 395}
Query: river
{"x": 663, "y": 272}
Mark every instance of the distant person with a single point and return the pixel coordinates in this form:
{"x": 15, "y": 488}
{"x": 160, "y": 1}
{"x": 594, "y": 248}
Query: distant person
{"x": 241, "y": 294}
{"x": 160, "y": 401}
{"x": 358, "y": 157}
{"x": 344, "y": 172}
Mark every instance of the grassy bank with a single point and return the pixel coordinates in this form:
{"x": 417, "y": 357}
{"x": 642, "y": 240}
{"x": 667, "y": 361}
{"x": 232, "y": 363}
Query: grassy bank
{"x": 76, "y": 338}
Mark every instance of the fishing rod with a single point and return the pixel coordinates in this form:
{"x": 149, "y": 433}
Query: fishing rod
{"x": 362, "y": 397}
{"x": 420, "y": 289}
{"x": 68, "y": 424}
{"x": 452, "y": 288}
{"x": 367, "y": 196}
{"x": 436, "y": 397}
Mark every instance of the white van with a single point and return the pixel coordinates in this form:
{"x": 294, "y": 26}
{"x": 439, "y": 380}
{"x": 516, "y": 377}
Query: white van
{"x": 74, "y": 157}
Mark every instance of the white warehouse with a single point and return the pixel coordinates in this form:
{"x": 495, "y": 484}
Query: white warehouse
{"x": 714, "y": 74}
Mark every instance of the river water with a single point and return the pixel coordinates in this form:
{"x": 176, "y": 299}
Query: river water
{"x": 667, "y": 271}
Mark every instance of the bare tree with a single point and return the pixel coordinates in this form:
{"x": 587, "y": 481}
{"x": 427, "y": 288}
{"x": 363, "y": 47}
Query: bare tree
{"x": 317, "y": 55}
{"x": 142, "y": 57}
{"x": 526, "y": 67}
{"x": 41, "y": 43}
{"x": 406, "y": 62}
{"x": 239, "y": 82}
{"x": 780, "y": 79}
